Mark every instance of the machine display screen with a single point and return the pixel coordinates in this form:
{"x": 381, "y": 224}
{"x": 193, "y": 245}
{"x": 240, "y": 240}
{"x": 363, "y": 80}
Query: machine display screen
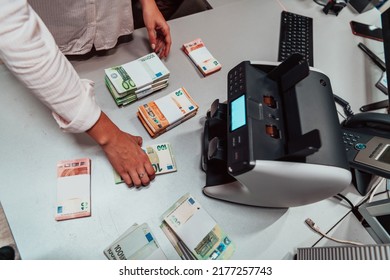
{"x": 237, "y": 113}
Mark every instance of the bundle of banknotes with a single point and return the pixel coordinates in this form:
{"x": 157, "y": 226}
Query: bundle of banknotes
{"x": 136, "y": 243}
{"x": 201, "y": 57}
{"x": 136, "y": 79}
{"x": 73, "y": 189}
{"x": 161, "y": 157}
{"x": 194, "y": 233}
{"x": 162, "y": 114}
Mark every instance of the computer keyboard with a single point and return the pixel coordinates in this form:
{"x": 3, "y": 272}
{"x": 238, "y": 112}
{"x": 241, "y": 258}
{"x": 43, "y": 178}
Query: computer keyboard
{"x": 296, "y": 36}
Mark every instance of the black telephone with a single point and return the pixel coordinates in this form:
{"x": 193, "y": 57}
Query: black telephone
{"x": 367, "y": 142}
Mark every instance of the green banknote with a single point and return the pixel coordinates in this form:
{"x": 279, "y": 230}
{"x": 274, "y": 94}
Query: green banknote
{"x": 120, "y": 100}
{"x": 137, "y": 74}
{"x": 161, "y": 158}
{"x": 121, "y": 80}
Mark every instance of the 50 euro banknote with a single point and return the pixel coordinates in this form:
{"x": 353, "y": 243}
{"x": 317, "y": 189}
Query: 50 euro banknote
{"x": 167, "y": 112}
{"x": 161, "y": 157}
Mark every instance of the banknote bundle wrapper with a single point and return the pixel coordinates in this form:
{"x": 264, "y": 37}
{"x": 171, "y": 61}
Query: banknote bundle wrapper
{"x": 201, "y": 57}
{"x": 194, "y": 233}
{"x": 161, "y": 157}
{"x": 136, "y": 79}
{"x": 73, "y": 189}
{"x": 165, "y": 113}
{"x": 136, "y": 243}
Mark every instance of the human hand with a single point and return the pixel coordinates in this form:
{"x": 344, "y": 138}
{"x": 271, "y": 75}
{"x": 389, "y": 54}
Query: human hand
{"x": 157, "y": 27}
{"x": 129, "y": 160}
{"x": 124, "y": 152}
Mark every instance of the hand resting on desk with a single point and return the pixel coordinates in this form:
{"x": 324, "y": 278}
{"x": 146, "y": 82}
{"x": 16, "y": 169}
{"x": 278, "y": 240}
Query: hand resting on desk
{"x": 123, "y": 151}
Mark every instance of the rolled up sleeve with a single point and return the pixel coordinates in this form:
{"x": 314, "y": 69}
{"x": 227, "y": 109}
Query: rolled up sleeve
{"x": 29, "y": 51}
{"x": 86, "y": 114}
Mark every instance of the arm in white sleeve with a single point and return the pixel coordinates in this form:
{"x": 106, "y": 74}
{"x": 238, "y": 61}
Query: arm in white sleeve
{"x": 29, "y": 51}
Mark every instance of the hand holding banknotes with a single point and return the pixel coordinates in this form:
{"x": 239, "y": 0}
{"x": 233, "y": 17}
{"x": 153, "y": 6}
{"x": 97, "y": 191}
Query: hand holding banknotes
{"x": 123, "y": 151}
{"x": 158, "y": 29}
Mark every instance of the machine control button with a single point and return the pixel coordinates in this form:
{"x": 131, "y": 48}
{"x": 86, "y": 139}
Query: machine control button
{"x": 360, "y": 146}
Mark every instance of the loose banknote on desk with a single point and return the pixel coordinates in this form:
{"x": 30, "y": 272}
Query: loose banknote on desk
{"x": 201, "y": 57}
{"x": 73, "y": 189}
{"x": 161, "y": 157}
{"x": 136, "y": 79}
{"x": 165, "y": 113}
{"x": 136, "y": 243}
{"x": 194, "y": 233}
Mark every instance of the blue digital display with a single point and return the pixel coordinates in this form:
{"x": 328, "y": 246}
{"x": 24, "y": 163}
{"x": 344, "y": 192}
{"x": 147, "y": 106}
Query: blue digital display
{"x": 237, "y": 113}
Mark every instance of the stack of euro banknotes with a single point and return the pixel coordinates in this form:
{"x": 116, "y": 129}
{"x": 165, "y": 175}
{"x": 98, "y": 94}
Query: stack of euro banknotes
{"x": 201, "y": 57}
{"x": 136, "y": 79}
{"x": 194, "y": 234}
{"x": 136, "y": 243}
{"x": 164, "y": 113}
{"x": 190, "y": 229}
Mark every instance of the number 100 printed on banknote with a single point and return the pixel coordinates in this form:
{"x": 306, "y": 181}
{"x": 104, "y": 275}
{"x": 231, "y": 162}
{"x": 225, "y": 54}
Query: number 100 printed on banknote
{"x": 161, "y": 157}
{"x": 73, "y": 189}
{"x": 194, "y": 233}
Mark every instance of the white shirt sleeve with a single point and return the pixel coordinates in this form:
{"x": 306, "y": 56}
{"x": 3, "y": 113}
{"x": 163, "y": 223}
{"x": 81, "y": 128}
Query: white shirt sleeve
{"x": 29, "y": 51}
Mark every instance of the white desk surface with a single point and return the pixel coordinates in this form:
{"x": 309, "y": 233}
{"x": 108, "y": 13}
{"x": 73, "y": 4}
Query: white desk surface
{"x": 32, "y": 144}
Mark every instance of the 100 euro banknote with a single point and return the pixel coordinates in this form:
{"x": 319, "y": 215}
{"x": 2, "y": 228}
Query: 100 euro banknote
{"x": 161, "y": 157}
{"x": 196, "y": 230}
{"x": 137, "y": 74}
{"x": 137, "y": 243}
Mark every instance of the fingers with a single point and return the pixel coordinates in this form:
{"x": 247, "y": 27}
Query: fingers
{"x": 137, "y": 178}
{"x": 126, "y": 177}
{"x": 128, "y": 158}
{"x": 144, "y": 177}
{"x": 167, "y": 40}
{"x": 150, "y": 171}
{"x": 152, "y": 39}
{"x": 157, "y": 27}
{"x": 141, "y": 175}
{"x": 164, "y": 42}
{"x": 160, "y": 40}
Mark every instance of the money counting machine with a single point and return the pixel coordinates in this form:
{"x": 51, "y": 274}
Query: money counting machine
{"x": 276, "y": 141}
